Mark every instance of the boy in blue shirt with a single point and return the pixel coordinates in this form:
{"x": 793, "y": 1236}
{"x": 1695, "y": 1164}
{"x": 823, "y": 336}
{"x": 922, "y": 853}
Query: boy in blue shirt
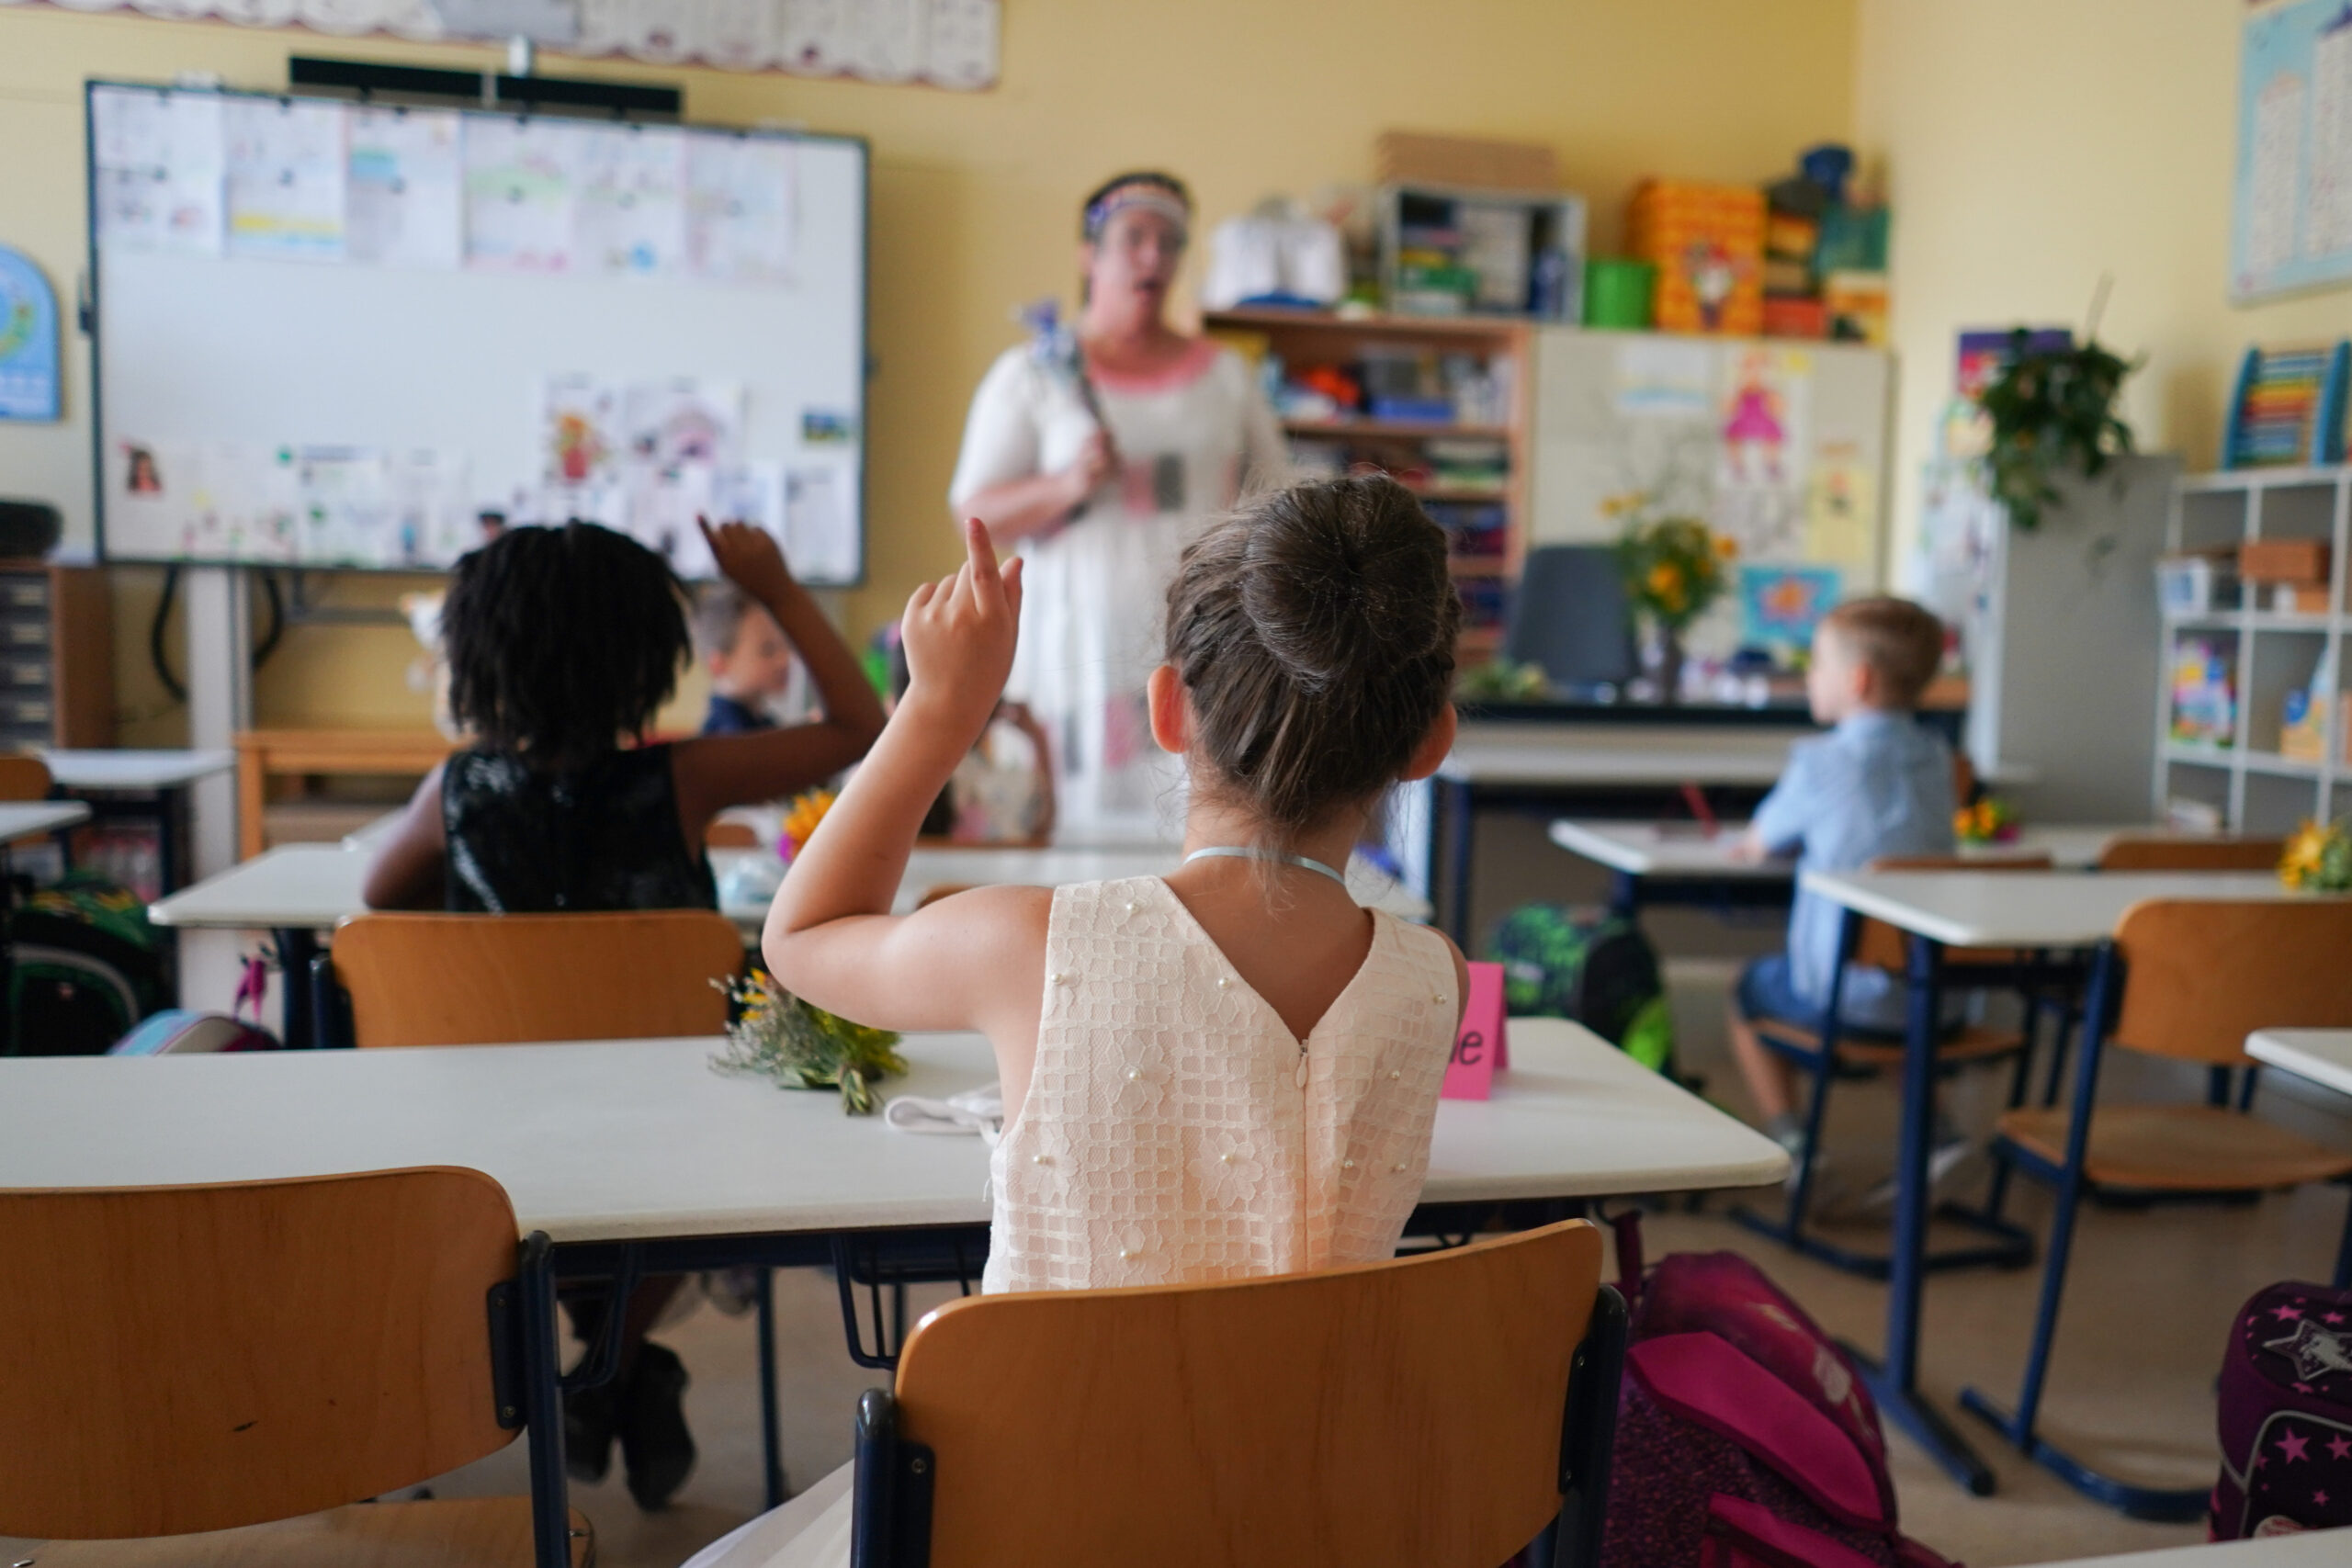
{"x": 1878, "y": 784}
{"x": 748, "y": 658}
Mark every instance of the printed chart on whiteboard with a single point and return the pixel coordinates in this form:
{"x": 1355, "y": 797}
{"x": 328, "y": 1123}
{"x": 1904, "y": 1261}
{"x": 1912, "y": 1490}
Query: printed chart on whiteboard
{"x": 2291, "y": 226}
{"x": 351, "y": 335}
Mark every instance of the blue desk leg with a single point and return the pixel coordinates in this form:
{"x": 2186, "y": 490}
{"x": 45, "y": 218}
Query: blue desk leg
{"x": 543, "y": 1407}
{"x": 770, "y": 1439}
{"x": 1895, "y": 1382}
{"x": 1460, "y": 838}
{"x": 296, "y": 948}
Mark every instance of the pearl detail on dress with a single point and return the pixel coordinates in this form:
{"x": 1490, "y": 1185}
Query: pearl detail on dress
{"x": 1134, "y": 1073}
{"x": 1346, "y": 1165}
{"x": 1041, "y": 1159}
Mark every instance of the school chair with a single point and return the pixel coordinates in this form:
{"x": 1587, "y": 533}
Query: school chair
{"x": 2151, "y": 852}
{"x": 727, "y": 835}
{"x": 250, "y": 1360}
{"x": 2188, "y": 980}
{"x": 427, "y": 979}
{"x": 1823, "y": 1053}
{"x": 23, "y": 777}
{"x": 1441, "y": 1411}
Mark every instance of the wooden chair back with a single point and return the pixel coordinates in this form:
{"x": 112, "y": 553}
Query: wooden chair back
{"x": 2203, "y": 975}
{"x": 726, "y": 835}
{"x": 23, "y": 777}
{"x": 1403, "y": 1413}
{"x": 1885, "y": 947}
{"x": 185, "y": 1358}
{"x": 499, "y": 979}
{"x": 2157, "y": 853}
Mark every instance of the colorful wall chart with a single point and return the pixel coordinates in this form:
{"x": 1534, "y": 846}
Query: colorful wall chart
{"x": 2291, "y": 227}
{"x": 942, "y": 43}
{"x": 28, "y": 340}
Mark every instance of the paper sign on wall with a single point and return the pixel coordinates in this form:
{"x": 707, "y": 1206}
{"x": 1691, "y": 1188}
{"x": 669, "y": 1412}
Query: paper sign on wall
{"x": 1480, "y": 1047}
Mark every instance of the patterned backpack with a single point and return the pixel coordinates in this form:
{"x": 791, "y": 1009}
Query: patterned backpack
{"x": 2286, "y": 1415}
{"x": 1745, "y": 1438}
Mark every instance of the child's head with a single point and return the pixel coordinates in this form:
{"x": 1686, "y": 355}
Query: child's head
{"x": 560, "y": 641}
{"x": 745, "y": 650}
{"x": 1312, "y": 633}
{"x": 1879, "y": 653}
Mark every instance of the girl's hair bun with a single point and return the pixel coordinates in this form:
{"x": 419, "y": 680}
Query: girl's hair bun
{"x": 1314, "y": 631}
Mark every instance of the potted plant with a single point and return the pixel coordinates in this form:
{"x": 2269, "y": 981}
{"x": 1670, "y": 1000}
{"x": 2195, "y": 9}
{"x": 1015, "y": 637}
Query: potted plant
{"x": 2052, "y": 409}
{"x": 1674, "y": 568}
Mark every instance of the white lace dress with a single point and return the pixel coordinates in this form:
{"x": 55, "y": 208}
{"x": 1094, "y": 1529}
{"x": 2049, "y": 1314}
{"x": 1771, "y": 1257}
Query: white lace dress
{"x": 1176, "y": 1130}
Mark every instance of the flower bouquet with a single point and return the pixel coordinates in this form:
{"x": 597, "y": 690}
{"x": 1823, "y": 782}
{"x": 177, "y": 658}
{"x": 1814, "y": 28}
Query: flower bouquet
{"x": 801, "y": 819}
{"x": 1991, "y": 820}
{"x": 777, "y": 1035}
{"x": 1674, "y": 568}
{"x": 2318, "y": 859}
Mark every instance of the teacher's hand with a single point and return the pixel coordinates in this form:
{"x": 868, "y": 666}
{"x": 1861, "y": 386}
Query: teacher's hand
{"x": 1096, "y": 461}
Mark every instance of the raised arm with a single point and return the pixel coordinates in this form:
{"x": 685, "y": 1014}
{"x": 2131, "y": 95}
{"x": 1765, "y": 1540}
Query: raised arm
{"x": 973, "y": 961}
{"x": 720, "y": 770}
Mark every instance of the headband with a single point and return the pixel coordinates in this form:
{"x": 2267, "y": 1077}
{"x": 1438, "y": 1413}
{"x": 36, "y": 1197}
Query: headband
{"x": 1139, "y": 194}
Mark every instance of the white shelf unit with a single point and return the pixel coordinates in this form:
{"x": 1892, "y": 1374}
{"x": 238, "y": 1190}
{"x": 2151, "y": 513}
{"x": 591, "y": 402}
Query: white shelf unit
{"x": 2256, "y": 788}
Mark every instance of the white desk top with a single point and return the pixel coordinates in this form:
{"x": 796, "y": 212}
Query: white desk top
{"x": 115, "y": 769}
{"x": 313, "y": 886}
{"x": 1604, "y": 754}
{"x": 2322, "y": 1055}
{"x": 1684, "y": 850}
{"x": 2309, "y": 1549}
{"x": 630, "y": 1139}
{"x": 2023, "y": 908}
{"x": 31, "y": 819}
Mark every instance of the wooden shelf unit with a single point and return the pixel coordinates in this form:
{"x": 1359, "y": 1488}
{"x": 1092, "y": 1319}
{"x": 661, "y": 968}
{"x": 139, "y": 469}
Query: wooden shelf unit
{"x": 56, "y": 657}
{"x": 1302, "y": 339}
{"x": 2257, "y": 789}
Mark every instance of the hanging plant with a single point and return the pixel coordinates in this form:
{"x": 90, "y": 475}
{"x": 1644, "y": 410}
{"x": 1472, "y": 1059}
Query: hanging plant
{"x": 2052, "y": 410}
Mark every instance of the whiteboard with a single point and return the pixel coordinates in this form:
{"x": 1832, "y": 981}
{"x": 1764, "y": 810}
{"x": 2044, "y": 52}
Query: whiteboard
{"x": 286, "y": 377}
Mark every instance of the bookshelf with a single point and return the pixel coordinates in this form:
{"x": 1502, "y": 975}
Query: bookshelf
{"x": 1485, "y": 516}
{"x": 2253, "y": 785}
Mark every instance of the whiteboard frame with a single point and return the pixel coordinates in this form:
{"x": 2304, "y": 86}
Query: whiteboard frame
{"x": 92, "y": 312}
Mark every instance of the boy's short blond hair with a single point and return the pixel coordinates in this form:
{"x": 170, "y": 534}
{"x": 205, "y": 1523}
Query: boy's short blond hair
{"x": 1897, "y": 640}
{"x": 719, "y": 610}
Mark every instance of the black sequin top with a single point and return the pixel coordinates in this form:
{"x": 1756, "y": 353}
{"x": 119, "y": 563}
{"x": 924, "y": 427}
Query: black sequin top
{"x": 601, "y": 836}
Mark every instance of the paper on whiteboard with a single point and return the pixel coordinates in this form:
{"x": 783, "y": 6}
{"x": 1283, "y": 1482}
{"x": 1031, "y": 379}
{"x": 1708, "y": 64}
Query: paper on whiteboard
{"x": 581, "y": 438}
{"x": 518, "y": 194}
{"x": 628, "y": 205}
{"x": 1764, "y": 461}
{"x": 820, "y": 537}
{"x": 432, "y": 520}
{"x": 147, "y": 486}
{"x": 741, "y": 220}
{"x": 159, "y": 169}
{"x": 285, "y": 170}
{"x": 682, "y": 420}
{"x": 962, "y": 45}
{"x": 406, "y": 205}
{"x": 1659, "y": 378}
{"x": 347, "y": 515}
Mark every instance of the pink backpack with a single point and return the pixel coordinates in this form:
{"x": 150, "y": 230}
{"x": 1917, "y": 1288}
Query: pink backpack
{"x": 2286, "y": 1415}
{"x": 1744, "y": 1438}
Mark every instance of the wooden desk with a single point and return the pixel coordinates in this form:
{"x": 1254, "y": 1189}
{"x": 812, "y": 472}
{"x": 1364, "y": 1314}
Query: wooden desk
{"x": 263, "y": 752}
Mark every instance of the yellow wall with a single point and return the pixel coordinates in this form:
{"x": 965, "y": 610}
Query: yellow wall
{"x": 2031, "y": 146}
{"x": 975, "y": 193}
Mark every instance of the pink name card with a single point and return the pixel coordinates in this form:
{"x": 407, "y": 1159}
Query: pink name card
{"x": 1481, "y": 1046}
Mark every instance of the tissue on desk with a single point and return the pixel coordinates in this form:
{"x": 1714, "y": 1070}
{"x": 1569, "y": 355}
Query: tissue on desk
{"x": 979, "y": 1110}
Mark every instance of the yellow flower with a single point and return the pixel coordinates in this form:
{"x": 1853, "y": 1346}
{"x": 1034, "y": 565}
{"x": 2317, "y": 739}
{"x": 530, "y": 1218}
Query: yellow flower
{"x": 1666, "y": 578}
{"x": 2299, "y": 866}
{"x": 808, "y": 810}
{"x": 1726, "y": 546}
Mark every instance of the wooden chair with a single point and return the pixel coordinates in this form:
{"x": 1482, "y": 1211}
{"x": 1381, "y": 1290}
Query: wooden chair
{"x": 2188, "y": 980}
{"x": 421, "y": 979}
{"x": 1882, "y": 946}
{"x": 727, "y": 835}
{"x": 2153, "y": 853}
{"x": 236, "y": 1358}
{"x": 1404, "y": 1413}
{"x": 23, "y": 777}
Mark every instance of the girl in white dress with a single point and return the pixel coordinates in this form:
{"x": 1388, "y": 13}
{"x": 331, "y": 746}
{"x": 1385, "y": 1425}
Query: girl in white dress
{"x": 1228, "y": 1071}
{"x": 1098, "y": 473}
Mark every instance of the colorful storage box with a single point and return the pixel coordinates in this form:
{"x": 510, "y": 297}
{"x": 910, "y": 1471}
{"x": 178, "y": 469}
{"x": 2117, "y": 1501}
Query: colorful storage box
{"x": 1707, "y": 242}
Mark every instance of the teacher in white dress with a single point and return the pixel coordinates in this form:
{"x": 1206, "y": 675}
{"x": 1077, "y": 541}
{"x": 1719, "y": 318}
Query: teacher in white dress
{"x": 1098, "y": 461}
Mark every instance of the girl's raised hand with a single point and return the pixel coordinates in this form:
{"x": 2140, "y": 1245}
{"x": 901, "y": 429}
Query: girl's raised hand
{"x": 959, "y": 635}
{"x": 749, "y": 557}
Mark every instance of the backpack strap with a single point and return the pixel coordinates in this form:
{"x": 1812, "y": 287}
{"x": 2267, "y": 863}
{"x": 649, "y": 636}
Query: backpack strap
{"x": 1705, "y": 1379}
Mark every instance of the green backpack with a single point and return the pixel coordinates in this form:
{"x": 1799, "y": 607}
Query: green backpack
{"x": 1590, "y": 966}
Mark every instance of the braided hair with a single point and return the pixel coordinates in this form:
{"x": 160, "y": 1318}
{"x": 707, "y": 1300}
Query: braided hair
{"x": 562, "y": 640}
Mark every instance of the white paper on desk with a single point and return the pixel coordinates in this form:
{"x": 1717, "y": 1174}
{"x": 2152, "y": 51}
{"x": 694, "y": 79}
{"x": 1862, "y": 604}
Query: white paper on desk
{"x": 158, "y": 183}
{"x": 519, "y": 194}
{"x": 285, "y": 171}
{"x": 741, "y": 223}
{"x": 628, "y": 214}
{"x": 406, "y": 188}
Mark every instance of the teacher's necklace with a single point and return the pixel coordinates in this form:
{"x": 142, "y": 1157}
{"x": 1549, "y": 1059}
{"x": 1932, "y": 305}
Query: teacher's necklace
{"x": 1243, "y": 852}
